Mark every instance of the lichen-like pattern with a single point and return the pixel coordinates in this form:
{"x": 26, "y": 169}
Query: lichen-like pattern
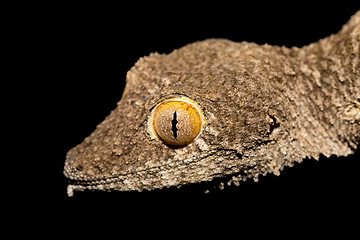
{"x": 266, "y": 107}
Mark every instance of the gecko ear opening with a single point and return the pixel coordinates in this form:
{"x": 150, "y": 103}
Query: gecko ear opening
{"x": 176, "y": 121}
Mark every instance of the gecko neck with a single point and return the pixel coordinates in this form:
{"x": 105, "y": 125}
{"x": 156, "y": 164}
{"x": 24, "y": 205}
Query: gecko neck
{"x": 327, "y": 86}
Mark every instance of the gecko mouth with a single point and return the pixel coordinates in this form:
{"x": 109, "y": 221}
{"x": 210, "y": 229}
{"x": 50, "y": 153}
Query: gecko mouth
{"x": 178, "y": 173}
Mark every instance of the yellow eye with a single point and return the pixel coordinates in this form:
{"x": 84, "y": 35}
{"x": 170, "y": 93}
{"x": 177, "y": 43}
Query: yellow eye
{"x": 176, "y": 121}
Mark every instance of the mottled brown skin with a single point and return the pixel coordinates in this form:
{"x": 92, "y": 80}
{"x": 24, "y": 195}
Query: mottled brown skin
{"x": 266, "y": 107}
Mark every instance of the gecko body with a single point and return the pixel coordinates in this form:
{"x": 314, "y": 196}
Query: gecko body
{"x": 262, "y": 108}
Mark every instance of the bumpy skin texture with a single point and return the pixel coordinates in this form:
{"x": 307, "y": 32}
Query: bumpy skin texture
{"x": 266, "y": 107}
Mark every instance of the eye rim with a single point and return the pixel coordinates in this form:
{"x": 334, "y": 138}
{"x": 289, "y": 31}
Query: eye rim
{"x": 151, "y": 128}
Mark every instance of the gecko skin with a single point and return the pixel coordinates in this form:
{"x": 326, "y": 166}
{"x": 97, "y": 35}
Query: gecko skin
{"x": 266, "y": 107}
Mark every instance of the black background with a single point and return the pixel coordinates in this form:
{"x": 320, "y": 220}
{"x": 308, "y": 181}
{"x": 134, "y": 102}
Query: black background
{"x": 87, "y": 49}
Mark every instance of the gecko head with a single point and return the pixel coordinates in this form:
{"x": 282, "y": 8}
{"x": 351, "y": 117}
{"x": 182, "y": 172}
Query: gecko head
{"x": 185, "y": 117}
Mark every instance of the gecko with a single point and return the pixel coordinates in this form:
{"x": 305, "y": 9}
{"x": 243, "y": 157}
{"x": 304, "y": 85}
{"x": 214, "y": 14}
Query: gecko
{"x": 218, "y": 108}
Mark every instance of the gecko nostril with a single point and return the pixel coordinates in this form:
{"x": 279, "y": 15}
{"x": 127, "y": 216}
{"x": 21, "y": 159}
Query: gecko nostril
{"x": 79, "y": 167}
{"x": 176, "y": 122}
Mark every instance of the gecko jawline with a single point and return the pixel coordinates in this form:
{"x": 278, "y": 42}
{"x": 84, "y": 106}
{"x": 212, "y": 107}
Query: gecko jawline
{"x": 133, "y": 181}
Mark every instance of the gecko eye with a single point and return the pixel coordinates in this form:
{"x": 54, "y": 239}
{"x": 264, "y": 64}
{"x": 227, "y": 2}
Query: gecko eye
{"x": 176, "y": 121}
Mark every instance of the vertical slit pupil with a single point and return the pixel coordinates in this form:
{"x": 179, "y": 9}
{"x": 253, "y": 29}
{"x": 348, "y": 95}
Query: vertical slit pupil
{"x": 174, "y": 122}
